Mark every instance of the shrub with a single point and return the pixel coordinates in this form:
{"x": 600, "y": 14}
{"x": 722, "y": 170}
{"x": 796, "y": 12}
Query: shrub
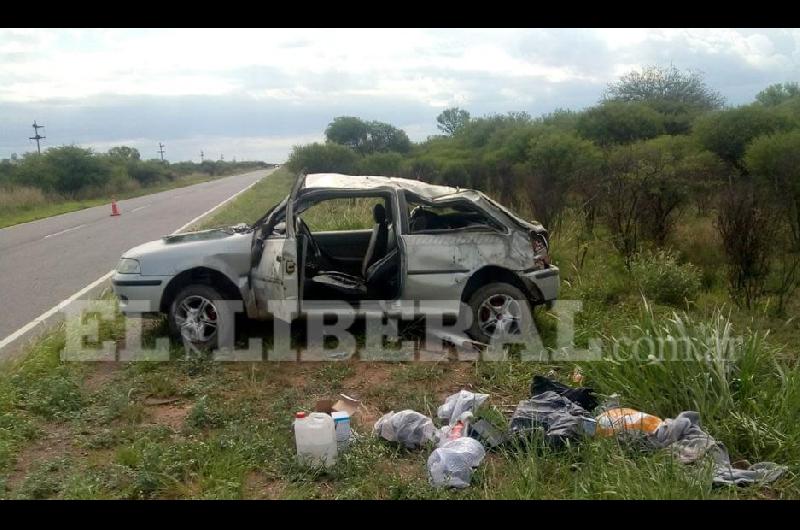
{"x": 616, "y": 122}
{"x": 149, "y": 172}
{"x": 73, "y": 168}
{"x": 386, "y": 164}
{"x": 747, "y": 227}
{"x": 317, "y": 158}
{"x": 661, "y": 278}
{"x": 728, "y": 132}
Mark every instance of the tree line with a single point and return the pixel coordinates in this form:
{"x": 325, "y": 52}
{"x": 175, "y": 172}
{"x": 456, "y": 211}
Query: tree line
{"x": 77, "y": 172}
{"x": 659, "y": 144}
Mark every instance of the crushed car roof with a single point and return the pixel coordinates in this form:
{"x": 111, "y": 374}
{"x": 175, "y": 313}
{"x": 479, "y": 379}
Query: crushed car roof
{"x": 337, "y": 180}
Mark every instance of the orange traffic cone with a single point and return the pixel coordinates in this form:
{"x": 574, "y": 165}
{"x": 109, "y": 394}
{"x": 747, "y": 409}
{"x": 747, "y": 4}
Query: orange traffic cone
{"x": 114, "y": 210}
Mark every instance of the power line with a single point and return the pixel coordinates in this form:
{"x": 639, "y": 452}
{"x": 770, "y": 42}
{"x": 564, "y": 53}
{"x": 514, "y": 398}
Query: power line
{"x": 36, "y": 136}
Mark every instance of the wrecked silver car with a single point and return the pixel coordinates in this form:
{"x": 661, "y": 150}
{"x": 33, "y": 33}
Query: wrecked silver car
{"x": 445, "y": 246}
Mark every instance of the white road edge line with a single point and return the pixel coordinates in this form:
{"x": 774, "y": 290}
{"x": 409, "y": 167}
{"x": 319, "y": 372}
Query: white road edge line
{"x": 139, "y": 208}
{"x": 64, "y": 231}
{"x": 64, "y": 303}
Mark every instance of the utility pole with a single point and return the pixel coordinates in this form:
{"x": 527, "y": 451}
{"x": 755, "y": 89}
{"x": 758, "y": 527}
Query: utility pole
{"x": 36, "y": 136}
{"x": 222, "y": 158}
{"x": 161, "y": 150}
{"x": 201, "y": 156}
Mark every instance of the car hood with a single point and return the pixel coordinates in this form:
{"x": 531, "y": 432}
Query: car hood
{"x": 220, "y": 249}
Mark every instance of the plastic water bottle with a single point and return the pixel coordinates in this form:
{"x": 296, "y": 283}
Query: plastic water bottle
{"x": 315, "y": 436}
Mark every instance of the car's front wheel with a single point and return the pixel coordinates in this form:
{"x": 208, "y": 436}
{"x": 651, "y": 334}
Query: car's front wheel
{"x": 196, "y": 315}
{"x": 498, "y": 310}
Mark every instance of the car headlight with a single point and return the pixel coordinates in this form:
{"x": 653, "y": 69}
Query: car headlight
{"x": 128, "y": 266}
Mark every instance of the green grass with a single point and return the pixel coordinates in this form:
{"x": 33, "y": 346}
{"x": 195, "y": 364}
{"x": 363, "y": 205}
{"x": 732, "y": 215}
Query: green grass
{"x": 249, "y": 206}
{"x": 93, "y": 431}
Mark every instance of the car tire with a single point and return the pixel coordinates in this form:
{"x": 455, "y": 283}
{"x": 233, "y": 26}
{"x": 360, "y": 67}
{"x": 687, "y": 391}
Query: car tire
{"x": 503, "y": 304}
{"x": 196, "y": 314}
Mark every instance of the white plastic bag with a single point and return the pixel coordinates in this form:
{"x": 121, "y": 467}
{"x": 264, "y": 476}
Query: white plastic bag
{"x": 451, "y": 465}
{"x": 407, "y": 427}
{"x": 456, "y": 404}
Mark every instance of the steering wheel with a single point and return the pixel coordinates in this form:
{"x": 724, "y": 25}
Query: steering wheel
{"x": 319, "y": 258}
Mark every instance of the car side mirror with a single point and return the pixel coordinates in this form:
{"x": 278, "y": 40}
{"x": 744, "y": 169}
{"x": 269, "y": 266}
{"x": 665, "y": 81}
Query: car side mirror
{"x": 280, "y": 229}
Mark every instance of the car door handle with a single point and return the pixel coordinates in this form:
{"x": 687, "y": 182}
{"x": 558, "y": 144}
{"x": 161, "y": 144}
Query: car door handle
{"x": 289, "y": 266}
{"x": 278, "y": 258}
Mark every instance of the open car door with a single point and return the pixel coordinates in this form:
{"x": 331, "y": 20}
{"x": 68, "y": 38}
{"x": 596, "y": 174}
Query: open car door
{"x": 276, "y": 276}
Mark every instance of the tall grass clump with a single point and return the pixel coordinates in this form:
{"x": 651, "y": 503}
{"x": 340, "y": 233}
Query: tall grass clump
{"x": 745, "y": 394}
{"x": 21, "y": 197}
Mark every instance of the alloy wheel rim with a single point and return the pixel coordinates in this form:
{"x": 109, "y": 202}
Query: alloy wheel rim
{"x": 197, "y": 318}
{"x": 499, "y": 315}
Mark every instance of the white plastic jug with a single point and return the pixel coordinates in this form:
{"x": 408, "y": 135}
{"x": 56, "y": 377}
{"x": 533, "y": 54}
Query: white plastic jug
{"x": 315, "y": 436}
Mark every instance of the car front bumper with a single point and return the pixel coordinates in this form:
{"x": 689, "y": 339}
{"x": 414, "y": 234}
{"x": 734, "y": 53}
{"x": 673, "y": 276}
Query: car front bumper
{"x": 545, "y": 281}
{"x": 139, "y": 294}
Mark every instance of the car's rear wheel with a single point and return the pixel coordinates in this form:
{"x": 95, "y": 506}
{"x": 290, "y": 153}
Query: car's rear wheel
{"x": 498, "y": 310}
{"x": 196, "y": 315}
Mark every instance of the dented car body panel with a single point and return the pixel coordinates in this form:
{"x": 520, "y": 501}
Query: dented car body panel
{"x": 443, "y": 243}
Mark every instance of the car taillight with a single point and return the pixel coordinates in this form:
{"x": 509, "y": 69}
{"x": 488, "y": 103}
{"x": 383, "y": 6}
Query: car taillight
{"x": 540, "y": 249}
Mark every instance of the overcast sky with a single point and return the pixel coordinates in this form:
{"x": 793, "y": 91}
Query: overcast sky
{"x": 252, "y": 94}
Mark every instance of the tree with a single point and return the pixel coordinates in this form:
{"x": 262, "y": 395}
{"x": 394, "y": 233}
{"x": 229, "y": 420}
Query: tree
{"x": 367, "y": 137}
{"x": 616, "y": 122}
{"x": 383, "y": 137}
{"x": 778, "y": 93}
{"x": 747, "y": 227}
{"x": 774, "y": 160}
{"x": 124, "y": 153}
{"x": 557, "y": 161}
{"x": 644, "y": 188}
{"x": 675, "y": 161}
{"x": 451, "y": 120}
{"x": 320, "y": 158}
{"x": 563, "y": 119}
{"x": 680, "y": 97}
{"x": 71, "y": 168}
{"x": 660, "y": 84}
{"x": 727, "y": 133}
{"x": 348, "y": 131}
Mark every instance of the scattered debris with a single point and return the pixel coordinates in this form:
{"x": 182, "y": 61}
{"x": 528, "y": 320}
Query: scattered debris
{"x": 559, "y": 418}
{"x": 324, "y": 405}
{"x": 582, "y": 396}
{"x": 457, "y": 430}
{"x": 407, "y": 427}
{"x": 490, "y": 436}
{"x": 560, "y": 412}
{"x": 315, "y": 438}
{"x": 620, "y": 420}
{"x": 347, "y": 404}
{"x": 341, "y": 422}
{"x": 451, "y": 464}
{"x": 456, "y": 404}
{"x": 689, "y": 443}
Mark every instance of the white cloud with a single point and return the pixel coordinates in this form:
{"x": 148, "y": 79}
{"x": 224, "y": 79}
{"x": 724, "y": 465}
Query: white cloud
{"x": 369, "y": 72}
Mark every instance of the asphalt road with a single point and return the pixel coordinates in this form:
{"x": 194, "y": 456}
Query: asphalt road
{"x": 46, "y": 261}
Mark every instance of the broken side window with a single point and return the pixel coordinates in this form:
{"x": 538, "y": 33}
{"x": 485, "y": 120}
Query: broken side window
{"x": 458, "y": 214}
